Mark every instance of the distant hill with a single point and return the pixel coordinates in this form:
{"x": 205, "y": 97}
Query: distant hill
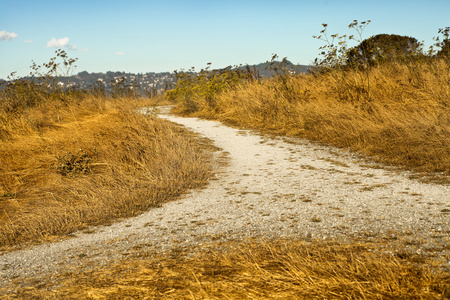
{"x": 146, "y": 82}
{"x": 265, "y": 71}
{"x": 151, "y": 82}
{"x": 157, "y": 81}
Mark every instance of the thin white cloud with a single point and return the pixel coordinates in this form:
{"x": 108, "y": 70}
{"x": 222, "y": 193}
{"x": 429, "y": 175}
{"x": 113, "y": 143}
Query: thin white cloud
{"x": 64, "y": 43}
{"x": 7, "y": 36}
{"x": 74, "y": 47}
{"x": 120, "y": 53}
{"x": 60, "y": 43}
{"x": 28, "y": 41}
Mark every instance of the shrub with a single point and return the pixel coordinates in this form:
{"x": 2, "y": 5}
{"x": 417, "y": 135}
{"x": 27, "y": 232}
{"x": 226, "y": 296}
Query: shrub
{"x": 200, "y": 90}
{"x": 71, "y": 164}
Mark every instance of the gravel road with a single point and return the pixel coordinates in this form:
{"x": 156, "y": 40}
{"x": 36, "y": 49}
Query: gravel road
{"x": 269, "y": 188}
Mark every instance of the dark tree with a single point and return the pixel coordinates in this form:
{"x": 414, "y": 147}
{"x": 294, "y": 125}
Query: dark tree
{"x": 444, "y": 43}
{"x": 382, "y": 48}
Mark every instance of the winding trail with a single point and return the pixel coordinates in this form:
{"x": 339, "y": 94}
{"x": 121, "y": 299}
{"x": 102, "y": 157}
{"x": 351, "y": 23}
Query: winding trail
{"x": 269, "y": 188}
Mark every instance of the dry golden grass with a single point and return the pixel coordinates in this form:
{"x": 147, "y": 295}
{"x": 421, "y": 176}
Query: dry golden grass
{"x": 67, "y": 166}
{"x": 285, "y": 269}
{"x": 406, "y": 120}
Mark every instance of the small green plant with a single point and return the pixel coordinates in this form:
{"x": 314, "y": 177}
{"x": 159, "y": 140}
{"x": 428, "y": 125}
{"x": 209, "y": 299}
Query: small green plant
{"x": 78, "y": 163}
{"x": 9, "y": 195}
{"x": 195, "y": 90}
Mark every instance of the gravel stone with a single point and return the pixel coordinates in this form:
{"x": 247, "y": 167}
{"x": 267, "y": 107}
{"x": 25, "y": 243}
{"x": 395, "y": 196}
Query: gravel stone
{"x": 269, "y": 188}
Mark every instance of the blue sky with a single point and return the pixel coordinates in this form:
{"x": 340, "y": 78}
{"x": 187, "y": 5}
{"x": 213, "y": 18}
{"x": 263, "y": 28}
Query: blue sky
{"x": 164, "y": 35}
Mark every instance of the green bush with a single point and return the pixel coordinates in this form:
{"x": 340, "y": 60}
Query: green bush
{"x": 194, "y": 90}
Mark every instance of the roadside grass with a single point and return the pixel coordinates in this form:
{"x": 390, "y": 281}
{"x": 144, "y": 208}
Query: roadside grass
{"x": 403, "y": 121}
{"x": 67, "y": 166}
{"x": 282, "y": 269}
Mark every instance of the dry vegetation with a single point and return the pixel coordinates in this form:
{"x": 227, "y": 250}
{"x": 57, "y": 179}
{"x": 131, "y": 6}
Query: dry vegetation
{"x": 404, "y": 120}
{"x": 385, "y": 98}
{"x": 253, "y": 270}
{"x": 65, "y": 166}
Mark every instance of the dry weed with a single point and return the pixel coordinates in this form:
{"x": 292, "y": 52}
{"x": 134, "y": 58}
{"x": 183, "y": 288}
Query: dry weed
{"x": 404, "y": 122}
{"x": 285, "y": 269}
{"x": 65, "y": 168}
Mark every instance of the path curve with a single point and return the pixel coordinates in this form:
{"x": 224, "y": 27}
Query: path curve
{"x": 270, "y": 188}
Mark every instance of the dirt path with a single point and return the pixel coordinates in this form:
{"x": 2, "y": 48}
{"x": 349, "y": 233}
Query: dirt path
{"x": 270, "y": 188}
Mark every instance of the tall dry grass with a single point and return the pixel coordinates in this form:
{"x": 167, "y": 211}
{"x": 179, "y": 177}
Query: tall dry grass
{"x": 285, "y": 269}
{"x": 65, "y": 165}
{"x": 68, "y": 165}
{"x": 403, "y": 120}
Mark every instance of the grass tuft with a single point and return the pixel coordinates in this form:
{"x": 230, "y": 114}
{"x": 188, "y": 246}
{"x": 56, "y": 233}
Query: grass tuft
{"x": 66, "y": 167}
{"x": 284, "y": 269}
{"x": 405, "y": 122}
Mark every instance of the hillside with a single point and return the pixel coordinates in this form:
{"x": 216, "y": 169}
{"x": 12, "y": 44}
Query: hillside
{"x": 264, "y": 69}
{"x": 155, "y": 82}
{"x": 150, "y": 83}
